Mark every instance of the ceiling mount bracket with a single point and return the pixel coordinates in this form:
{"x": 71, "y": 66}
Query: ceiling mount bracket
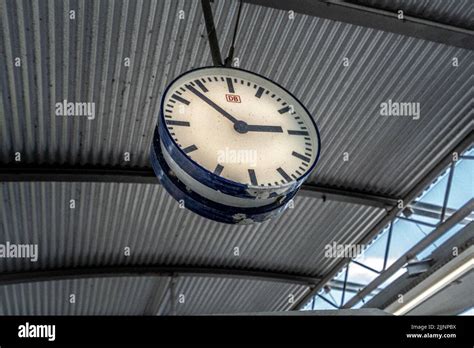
{"x": 211, "y": 33}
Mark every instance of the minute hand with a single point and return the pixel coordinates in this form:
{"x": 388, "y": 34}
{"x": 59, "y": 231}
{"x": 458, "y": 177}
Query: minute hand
{"x": 255, "y": 128}
{"x": 211, "y": 103}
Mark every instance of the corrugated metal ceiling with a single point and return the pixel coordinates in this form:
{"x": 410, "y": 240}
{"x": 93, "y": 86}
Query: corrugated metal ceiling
{"x": 220, "y": 296}
{"x": 109, "y": 217}
{"x": 137, "y": 295}
{"x": 107, "y": 296}
{"x": 82, "y": 59}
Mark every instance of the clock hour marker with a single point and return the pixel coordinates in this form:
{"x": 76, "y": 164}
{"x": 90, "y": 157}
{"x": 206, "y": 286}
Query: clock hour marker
{"x": 283, "y": 174}
{"x": 296, "y": 132}
{"x": 180, "y": 99}
{"x": 206, "y": 96}
{"x": 259, "y": 92}
{"x": 190, "y": 148}
{"x": 253, "y": 177}
{"x": 218, "y": 169}
{"x": 177, "y": 123}
{"x": 301, "y": 157}
{"x": 230, "y": 85}
{"x": 201, "y": 85}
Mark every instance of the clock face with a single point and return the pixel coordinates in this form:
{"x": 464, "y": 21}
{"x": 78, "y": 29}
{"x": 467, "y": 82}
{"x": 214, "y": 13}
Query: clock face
{"x": 241, "y": 126}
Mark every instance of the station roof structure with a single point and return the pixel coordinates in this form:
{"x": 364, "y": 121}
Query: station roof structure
{"x": 341, "y": 59}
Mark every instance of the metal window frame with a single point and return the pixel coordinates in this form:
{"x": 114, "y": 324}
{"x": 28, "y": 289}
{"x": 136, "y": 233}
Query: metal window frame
{"x": 394, "y": 214}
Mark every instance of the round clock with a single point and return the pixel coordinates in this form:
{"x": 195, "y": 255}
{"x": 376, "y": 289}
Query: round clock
{"x": 232, "y": 145}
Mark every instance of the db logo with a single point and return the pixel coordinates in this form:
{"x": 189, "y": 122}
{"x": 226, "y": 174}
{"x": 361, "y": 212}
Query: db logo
{"x": 232, "y": 98}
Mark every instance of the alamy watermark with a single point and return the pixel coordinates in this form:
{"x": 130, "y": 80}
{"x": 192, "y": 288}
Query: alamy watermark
{"x": 28, "y": 330}
{"x": 65, "y": 108}
{"x": 244, "y": 156}
{"x": 19, "y": 251}
{"x": 335, "y": 250}
{"x": 392, "y": 108}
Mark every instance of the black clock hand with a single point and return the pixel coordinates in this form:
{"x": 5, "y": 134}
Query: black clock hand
{"x": 257, "y": 128}
{"x": 240, "y": 126}
{"x": 211, "y": 103}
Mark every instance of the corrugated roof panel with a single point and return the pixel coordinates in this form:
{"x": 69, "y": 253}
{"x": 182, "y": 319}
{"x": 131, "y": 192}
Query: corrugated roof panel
{"x": 199, "y": 295}
{"x": 95, "y": 296}
{"x": 83, "y": 59}
{"x": 147, "y": 296}
{"x": 109, "y": 217}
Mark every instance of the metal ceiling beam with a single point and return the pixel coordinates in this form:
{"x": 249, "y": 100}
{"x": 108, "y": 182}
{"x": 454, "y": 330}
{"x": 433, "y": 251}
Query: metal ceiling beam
{"x": 376, "y": 19}
{"x": 9, "y": 278}
{"x": 392, "y": 214}
{"x": 440, "y": 256}
{"x": 350, "y": 286}
{"x": 434, "y": 211}
{"x": 412, "y": 252}
{"x": 348, "y": 196}
{"x": 12, "y": 172}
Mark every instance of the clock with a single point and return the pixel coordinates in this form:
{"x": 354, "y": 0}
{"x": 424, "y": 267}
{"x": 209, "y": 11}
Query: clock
{"x": 232, "y": 145}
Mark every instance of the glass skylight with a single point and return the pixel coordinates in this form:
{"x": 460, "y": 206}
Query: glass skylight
{"x": 448, "y": 193}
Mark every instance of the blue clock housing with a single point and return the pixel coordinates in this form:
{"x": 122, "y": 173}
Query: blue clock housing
{"x": 207, "y": 193}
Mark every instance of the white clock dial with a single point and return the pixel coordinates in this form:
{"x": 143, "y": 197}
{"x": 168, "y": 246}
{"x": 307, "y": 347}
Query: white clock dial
{"x": 241, "y": 127}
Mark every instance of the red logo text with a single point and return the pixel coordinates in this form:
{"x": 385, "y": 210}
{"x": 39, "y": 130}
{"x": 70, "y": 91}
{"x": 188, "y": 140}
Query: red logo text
{"x": 233, "y": 98}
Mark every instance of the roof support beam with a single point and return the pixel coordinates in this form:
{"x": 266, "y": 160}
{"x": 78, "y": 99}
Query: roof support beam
{"x": 376, "y": 19}
{"x": 392, "y": 214}
{"x": 434, "y": 211}
{"x": 152, "y": 271}
{"x": 440, "y": 256}
{"x": 12, "y": 172}
{"x": 348, "y": 196}
{"x": 415, "y": 250}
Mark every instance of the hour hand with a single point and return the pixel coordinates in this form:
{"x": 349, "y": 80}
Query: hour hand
{"x": 258, "y": 128}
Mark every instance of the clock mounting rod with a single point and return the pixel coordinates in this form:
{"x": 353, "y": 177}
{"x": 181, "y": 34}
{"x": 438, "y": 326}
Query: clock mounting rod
{"x": 230, "y": 56}
{"x": 212, "y": 35}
